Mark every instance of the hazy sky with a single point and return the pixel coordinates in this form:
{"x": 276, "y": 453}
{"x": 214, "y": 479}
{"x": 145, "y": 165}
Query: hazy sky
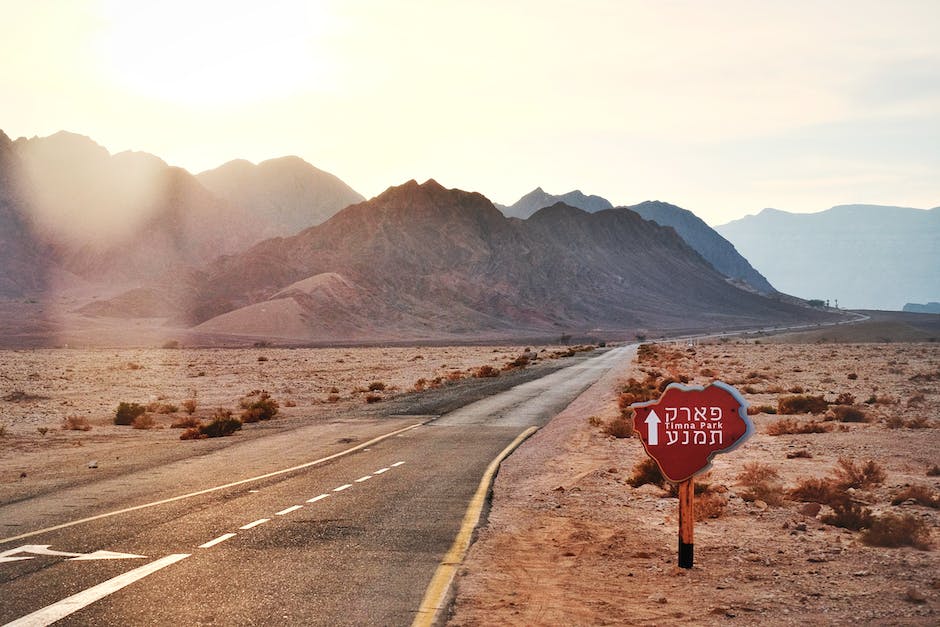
{"x": 721, "y": 107}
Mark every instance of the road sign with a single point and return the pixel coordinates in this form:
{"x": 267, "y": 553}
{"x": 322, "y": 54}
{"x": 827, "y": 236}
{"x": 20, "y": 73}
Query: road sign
{"x": 682, "y": 431}
{"x": 688, "y": 425}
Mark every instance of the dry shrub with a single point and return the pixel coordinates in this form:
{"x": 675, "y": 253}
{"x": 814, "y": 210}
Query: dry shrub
{"x": 813, "y": 490}
{"x": 332, "y": 398}
{"x": 801, "y": 404}
{"x": 334, "y": 390}
{"x": 144, "y": 421}
{"x": 890, "y": 530}
{"x": 185, "y": 422}
{"x": 596, "y": 421}
{"x": 852, "y": 376}
{"x": 859, "y": 476}
{"x": 761, "y": 483}
{"x": 485, "y": 372}
{"x": 710, "y": 505}
{"x": 844, "y": 398}
{"x": 290, "y": 403}
{"x": 76, "y": 423}
{"x": 920, "y": 494}
{"x": 193, "y": 433}
{"x": 258, "y": 405}
{"x": 881, "y": 400}
{"x": 847, "y": 413}
{"x": 800, "y": 454}
{"x": 127, "y": 412}
{"x": 646, "y": 471}
{"x": 420, "y": 384}
{"x": 619, "y": 427}
{"x": 933, "y": 471}
{"x": 753, "y": 410}
{"x": 189, "y": 406}
{"x": 919, "y": 422}
{"x": 787, "y": 426}
{"x": 848, "y": 514}
{"x": 796, "y": 389}
{"x": 373, "y": 398}
{"x": 519, "y": 362}
{"x": 641, "y": 391}
{"x": 454, "y": 375}
{"x": 222, "y": 424}
{"x": 376, "y": 386}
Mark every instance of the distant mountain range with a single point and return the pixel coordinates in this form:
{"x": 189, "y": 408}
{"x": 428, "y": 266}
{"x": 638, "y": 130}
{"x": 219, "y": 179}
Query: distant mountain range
{"x": 129, "y": 217}
{"x": 422, "y": 261}
{"x": 243, "y": 252}
{"x": 539, "y": 199}
{"x": 863, "y": 256}
{"x": 702, "y": 238}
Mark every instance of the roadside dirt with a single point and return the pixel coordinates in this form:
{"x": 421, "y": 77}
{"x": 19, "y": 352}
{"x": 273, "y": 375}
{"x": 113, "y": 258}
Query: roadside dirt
{"x": 570, "y": 542}
{"x": 40, "y": 389}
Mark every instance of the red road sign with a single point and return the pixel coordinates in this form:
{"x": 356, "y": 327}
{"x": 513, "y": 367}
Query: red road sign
{"x": 688, "y": 425}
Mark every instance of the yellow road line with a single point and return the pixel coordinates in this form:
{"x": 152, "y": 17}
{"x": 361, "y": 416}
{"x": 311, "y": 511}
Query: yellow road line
{"x": 436, "y": 594}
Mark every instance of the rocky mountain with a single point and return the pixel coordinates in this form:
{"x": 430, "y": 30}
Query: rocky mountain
{"x": 928, "y": 308}
{"x": 706, "y": 241}
{"x": 283, "y": 195}
{"x": 422, "y": 261}
{"x": 24, "y": 258}
{"x": 863, "y": 256}
{"x": 539, "y": 199}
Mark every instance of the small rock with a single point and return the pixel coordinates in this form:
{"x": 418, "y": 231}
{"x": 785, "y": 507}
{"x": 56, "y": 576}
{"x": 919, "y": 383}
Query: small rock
{"x": 817, "y": 559}
{"x": 861, "y": 573}
{"x": 761, "y": 505}
{"x": 800, "y": 526}
{"x": 560, "y": 488}
{"x": 22, "y": 475}
{"x": 915, "y": 596}
{"x": 93, "y": 463}
{"x": 811, "y": 509}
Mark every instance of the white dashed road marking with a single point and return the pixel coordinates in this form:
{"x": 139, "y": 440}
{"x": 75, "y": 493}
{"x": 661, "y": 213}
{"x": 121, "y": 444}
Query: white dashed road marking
{"x": 397, "y": 464}
{"x": 317, "y": 498}
{"x": 288, "y": 510}
{"x": 361, "y": 479}
{"x": 254, "y": 524}
{"x": 221, "y": 538}
{"x": 380, "y": 471}
{"x": 342, "y": 487}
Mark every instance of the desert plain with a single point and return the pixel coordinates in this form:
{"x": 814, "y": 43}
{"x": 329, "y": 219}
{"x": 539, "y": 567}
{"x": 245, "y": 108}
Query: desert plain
{"x": 572, "y": 536}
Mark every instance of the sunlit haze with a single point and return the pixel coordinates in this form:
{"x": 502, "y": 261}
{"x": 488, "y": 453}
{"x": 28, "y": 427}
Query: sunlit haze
{"x": 723, "y": 107}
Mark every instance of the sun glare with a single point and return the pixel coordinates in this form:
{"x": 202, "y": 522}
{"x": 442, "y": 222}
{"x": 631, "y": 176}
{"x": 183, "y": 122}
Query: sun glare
{"x": 214, "y": 53}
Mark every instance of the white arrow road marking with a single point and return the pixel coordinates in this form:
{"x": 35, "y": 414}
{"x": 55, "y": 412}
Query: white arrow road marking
{"x": 15, "y": 555}
{"x": 68, "y": 605}
{"x": 652, "y": 428}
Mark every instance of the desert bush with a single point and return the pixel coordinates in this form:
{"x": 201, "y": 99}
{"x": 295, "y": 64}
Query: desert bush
{"x": 761, "y": 482}
{"x": 753, "y": 410}
{"x": 332, "y": 398}
{"x": 222, "y": 424}
{"x": 875, "y": 399}
{"x": 619, "y": 427}
{"x": 189, "y": 406}
{"x": 127, "y": 412}
{"x": 454, "y": 375}
{"x": 334, "y": 390}
{"x": 852, "y": 376}
{"x": 258, "y": 405}
{"x": 920, "y": 494}
{"x": 707, "y": 372}
{"x": 144, "y": 421}
{"x": 801, "y": 404}
{"x": 844, "y": 398}
{"x": 76, "y": 423}
{"x": 373, "y": 398}
{"x": 796, "y": 389}
{"x": 787, "y": 426}
{"x": 420, "y": 384}
{"x": 596, "y": 421}
{"x": 848, "y": 514}
{"x": 859, "y": 476}
{"x": 813, "y": 490}
{"x": 709, "y": 505}
{"x": 800, "y": 454}
{"x": 646, "y": 471}
{"x": 933, "y": 471}
{"x": 290, "y": 403}
{"x": 376, "y": 386}
{"x": 192, "y": 433}
{"x": 185, "y": 422}
{"x": 485, "y": 372}
{"x": 847, "y": 413}
{"x": 262, "y": 358}
{"x": 42, "y": 430}
{"x": 519, "y": 362}
{"x": 890, "y": 530}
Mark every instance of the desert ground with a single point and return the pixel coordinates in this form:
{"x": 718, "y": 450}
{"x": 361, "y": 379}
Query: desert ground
{"x": 571, "y": 541}
{"x": 57, "y": 406}
{"x": 569, "y": 538}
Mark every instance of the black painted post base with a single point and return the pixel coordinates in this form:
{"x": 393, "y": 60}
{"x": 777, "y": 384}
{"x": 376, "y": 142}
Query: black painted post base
{"x": 685, "y": 554}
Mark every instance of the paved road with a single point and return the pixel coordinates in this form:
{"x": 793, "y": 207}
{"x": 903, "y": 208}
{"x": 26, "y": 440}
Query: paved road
{"x": 350, "y": 541}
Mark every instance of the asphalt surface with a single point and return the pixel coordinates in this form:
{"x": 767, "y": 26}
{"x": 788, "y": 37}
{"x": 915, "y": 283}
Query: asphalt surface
{"x": 352, "y": 540}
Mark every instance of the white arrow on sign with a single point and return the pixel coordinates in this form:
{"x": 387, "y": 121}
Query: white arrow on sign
{"x": 15, "y": 555}
{"x": 652, "y": 428}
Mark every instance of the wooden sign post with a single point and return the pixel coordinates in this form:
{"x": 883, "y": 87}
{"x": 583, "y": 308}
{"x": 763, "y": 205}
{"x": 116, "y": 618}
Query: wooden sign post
{"x": 682, "y": 431}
